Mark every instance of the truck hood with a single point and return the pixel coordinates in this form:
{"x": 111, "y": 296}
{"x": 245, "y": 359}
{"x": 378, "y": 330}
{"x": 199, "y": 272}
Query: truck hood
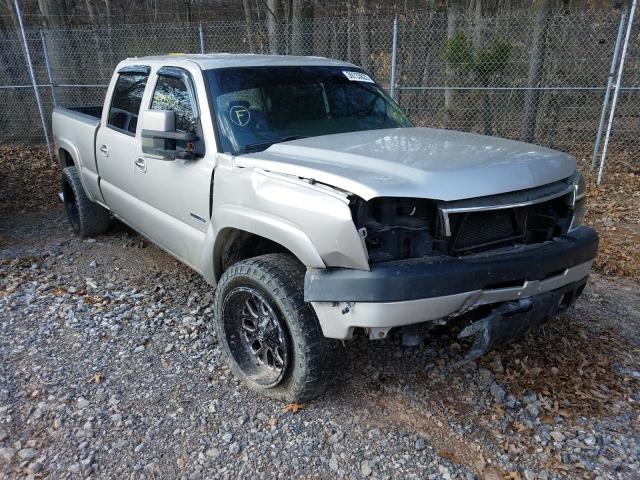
{"x": 415, "y": 162}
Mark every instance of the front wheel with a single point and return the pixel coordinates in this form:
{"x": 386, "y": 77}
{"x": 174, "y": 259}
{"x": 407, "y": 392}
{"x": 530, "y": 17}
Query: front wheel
{"x": 271, "y": 336}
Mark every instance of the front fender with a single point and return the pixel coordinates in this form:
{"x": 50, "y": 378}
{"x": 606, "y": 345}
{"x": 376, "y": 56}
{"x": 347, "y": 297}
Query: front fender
{"x": 311, "y": 221}
{"x": 246, "y": 219}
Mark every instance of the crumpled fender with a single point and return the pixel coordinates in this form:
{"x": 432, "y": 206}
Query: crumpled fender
{"x": 312, "y": 221}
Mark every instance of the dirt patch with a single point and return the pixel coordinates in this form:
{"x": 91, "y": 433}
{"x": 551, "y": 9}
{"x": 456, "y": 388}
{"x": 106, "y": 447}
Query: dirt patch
{"x": 434, "y": 427}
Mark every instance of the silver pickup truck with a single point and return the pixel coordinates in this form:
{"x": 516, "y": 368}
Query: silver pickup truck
{"x": 298, "y": 188}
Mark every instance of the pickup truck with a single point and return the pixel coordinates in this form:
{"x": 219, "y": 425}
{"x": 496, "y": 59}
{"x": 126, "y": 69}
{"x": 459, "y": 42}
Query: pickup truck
{"x": 302, "y": 193}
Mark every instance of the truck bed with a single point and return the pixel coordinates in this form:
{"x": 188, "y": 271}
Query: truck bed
{"x": 91, "y": 111}
{"x": 74, "y": 131}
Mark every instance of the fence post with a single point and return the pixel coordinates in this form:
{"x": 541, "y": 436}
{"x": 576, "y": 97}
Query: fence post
{"x": 33, "y": 77}
{"x": 201, "y": 38}
{"x": 394, "y": 57}
{"x": 612, "y": 72}
{"x": 45, "y": 52}
{"x": 616, "y": 91}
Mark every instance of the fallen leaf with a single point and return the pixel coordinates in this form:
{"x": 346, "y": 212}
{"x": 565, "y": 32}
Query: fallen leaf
{"x": 97, "y": 378}
{"x": 293, "y": 408}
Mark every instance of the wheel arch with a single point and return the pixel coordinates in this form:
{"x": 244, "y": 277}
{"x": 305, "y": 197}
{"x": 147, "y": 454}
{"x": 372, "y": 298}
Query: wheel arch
{"x": 65, "y": 158}
{"x": 238, "y": 232}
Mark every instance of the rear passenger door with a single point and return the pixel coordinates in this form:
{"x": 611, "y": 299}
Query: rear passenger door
{"x": 118, "y": 145}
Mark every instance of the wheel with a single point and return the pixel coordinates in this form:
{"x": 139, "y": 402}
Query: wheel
{"x": 271, "y": 337}
{"x": 87, "y": 218}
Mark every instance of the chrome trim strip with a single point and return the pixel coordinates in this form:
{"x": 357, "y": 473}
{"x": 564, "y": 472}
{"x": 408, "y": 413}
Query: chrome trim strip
{"x": 446, "y": 211}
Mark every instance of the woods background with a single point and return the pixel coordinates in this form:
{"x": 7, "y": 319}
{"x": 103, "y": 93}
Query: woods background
{"x": 535, "y": 71}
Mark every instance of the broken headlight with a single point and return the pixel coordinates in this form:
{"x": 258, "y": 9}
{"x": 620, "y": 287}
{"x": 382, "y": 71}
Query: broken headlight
{"x": 580, "y": 201}
{"x": 395, "y": 228}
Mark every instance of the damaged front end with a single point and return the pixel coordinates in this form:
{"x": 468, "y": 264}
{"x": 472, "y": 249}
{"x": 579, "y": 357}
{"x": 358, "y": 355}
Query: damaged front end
{"x": 503, "y": 264}
{"x": 511, "y": 320}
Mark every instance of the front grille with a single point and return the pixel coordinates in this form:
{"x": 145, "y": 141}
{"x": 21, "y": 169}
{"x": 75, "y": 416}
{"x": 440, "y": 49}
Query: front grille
{"x": 472, "y": 232}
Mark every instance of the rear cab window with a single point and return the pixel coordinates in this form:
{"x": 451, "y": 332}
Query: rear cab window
{"x": 127, "y": 99}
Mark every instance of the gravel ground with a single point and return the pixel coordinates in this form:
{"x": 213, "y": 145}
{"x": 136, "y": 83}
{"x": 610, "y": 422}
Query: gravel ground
{"x": 109, "y": 369}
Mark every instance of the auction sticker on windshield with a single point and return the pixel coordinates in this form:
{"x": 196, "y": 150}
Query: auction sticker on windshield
{"x": 357, "y": 76}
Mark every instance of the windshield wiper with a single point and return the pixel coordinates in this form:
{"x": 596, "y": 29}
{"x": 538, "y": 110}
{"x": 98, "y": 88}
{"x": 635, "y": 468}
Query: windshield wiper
{"x": 259, "y": 145}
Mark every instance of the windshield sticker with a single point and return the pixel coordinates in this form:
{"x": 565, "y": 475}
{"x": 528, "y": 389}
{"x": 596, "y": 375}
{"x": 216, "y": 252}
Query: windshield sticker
{"x": 239, "y": 115}
{"x": 357, "y": 76}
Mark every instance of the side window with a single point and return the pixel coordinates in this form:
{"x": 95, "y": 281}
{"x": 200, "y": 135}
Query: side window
{"x": 126, "y": 101}
{"x": 171, "y": 93}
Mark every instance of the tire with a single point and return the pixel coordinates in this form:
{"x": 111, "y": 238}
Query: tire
{"x": 266, "y": 293}
{"x": 87, "y": 218}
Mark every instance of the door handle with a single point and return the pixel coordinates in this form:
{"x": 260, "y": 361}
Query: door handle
{"x": 105, "y": 150}
{"x": 141, "y": 164}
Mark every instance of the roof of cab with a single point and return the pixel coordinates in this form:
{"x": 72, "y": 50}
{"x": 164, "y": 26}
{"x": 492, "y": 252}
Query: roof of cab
{"x": 225, "y": 60}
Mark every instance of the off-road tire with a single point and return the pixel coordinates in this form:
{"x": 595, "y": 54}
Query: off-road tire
{"x": 313, "y": 360}
{"x": 87, "y": 218}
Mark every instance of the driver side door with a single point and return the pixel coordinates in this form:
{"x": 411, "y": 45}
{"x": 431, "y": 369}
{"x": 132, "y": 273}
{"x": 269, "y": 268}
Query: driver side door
{"x": 175, "y": 193}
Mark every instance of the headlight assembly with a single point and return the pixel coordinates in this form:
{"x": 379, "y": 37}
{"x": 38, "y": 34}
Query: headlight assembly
{"x": 580, "y": 201}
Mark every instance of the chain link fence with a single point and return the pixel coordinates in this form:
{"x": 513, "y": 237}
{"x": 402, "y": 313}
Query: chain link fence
{"x": 540, "y": 77}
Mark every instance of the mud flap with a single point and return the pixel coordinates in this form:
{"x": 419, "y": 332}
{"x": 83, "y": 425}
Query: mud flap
{"x": 512, "y": 320}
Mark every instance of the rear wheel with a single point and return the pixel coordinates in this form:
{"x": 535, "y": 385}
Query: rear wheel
{"x": 271, "y": 336}
{"x": 87, "y": 218}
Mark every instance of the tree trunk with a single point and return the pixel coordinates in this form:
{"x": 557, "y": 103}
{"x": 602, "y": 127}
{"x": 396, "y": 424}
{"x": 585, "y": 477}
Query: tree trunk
{"x": 476, "y": 7}
{"x": 12, "y": 66}
{"x": 272, "y": 26}
{"x": 349, "y": 38}
{"x": 363, "y": 35}
{"x": 453, "y": 13}
{"x": 53, "y": 12}
{"x": 96, "y": 40}
{"x": 54, "y": 16}
{"x": 296, "y": 27}
{"x": 335, "y": 40}
{"x": 428, "y": 42}
{"x": 248, "y": 22}
{"x": 536, "y": 67}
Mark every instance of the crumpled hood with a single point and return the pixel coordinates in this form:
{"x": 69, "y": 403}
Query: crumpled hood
{"x": 415, "y": 162}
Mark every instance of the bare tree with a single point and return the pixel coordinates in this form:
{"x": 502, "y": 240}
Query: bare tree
{"x": 272, "y": 26}
{"x": 536, "y": 67}
{"x": 453, "y": 14}
{"x": 363, "y": 35}
{"x": 349, "y": 37}
{"x": 296, "y": 27}
{"x": 54, "y": 12}
{"x": 103, "y": 72}
{"x": 248, "y": 21}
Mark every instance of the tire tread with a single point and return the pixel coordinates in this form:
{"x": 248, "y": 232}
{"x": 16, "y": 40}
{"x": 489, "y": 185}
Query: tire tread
{"x": 93, "y": 218}
{"x": 283, "y": 277}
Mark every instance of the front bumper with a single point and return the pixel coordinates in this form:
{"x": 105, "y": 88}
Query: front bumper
{"x": 415, "y": 291}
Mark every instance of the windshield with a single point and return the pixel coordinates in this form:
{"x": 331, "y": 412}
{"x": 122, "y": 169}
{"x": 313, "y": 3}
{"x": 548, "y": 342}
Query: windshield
{"x": 256, "y": 107}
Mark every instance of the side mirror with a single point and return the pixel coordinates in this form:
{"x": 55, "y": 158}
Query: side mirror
{"x": 159, "y": 120}
{"x": 159, "y": 136}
